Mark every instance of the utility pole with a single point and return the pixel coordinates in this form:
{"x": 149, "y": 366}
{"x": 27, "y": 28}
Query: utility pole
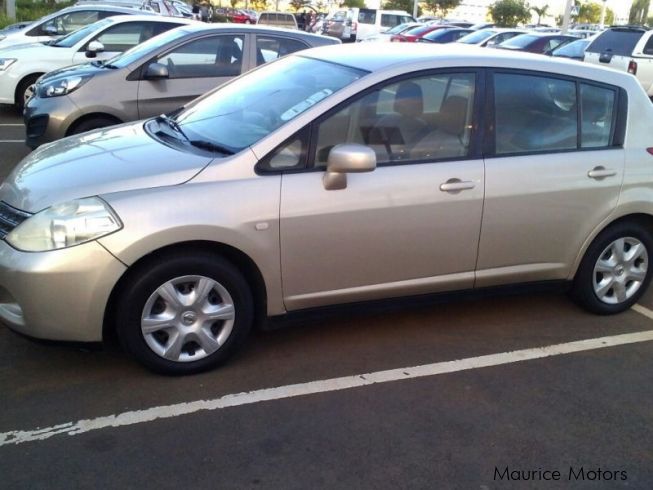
{"x": 567, "y": 17}
{"x": 415, "y": 9}
{"x": 603, "y": 8}
{"x": 11, "y": 9}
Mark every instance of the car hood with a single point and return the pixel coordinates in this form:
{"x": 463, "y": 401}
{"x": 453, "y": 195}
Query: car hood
{"x": 34, "y": 51}
{"x": 77, "y": 70}
{"x": 109, "y": 160}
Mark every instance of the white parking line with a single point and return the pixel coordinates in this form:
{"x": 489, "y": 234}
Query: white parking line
{"x": 322, "y": 386}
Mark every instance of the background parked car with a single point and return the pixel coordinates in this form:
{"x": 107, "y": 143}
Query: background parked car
{"x": 387, "y": 35}
{"x": 574, "y": 50}
{"x": 625, "y": 49}
{"x": 490, "y": 37}
{"x": 444, "y": 36}
{"x": 536, "y": 42}
{"x": 367, "y": 22}
{"x": 412, "y": 35}
{"x": 61, "y": 23}
{"x": 104, "y": 39}
{"x": 338, "y": 24}
{"x": 243, "y": 16}
{"x": 155, "y": 77}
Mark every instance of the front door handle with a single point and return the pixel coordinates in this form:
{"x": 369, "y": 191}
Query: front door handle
{"x": 456, "y": 185}
{"x": 601, "y": 173}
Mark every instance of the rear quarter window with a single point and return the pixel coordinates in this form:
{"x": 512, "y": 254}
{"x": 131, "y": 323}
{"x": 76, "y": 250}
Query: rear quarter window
{"x": 620, "y": 42}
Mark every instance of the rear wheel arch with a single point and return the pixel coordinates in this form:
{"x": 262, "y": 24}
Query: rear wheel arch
{"x": 24, "y": 82}
{"x": 245, "y": 265}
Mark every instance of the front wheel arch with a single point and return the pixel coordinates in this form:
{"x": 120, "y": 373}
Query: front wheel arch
{"x": 239, "y": 259}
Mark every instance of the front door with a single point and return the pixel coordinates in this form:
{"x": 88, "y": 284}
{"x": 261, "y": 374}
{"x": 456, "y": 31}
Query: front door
{"x": 410, "y": 226}
{"x": 194, "y": 68}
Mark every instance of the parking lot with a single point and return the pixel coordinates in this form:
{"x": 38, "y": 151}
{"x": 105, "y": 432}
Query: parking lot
{"x": 336, "y": 402}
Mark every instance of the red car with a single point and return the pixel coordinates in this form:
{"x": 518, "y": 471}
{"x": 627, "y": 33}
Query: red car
{"x": 412, "y": 35}
{"x": 243, "y": 17}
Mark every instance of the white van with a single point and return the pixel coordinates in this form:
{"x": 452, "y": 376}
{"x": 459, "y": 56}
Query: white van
{"x": 367, "y": 22}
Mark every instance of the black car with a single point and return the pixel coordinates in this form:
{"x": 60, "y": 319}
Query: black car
{"x": 537, "y": 43}
{"x": 443, "y": 36}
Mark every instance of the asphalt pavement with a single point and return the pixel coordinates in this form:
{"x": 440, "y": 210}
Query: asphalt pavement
{"x": 312, "y": 405}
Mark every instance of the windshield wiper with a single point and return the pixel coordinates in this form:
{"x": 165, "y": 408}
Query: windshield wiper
{"x": 207, "y": 145}
{"x": 172, "y": 124}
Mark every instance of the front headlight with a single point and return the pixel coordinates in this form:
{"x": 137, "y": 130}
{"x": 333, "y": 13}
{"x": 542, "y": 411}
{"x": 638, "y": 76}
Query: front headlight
{"x": 62, "y": 86}
{"x": 6, "y": 63}
{"x": 65, "y": 225}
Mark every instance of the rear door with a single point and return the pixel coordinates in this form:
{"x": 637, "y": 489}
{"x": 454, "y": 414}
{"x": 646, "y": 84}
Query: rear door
{"x": 553, "y": 173}
{"x": 194, "y": 68}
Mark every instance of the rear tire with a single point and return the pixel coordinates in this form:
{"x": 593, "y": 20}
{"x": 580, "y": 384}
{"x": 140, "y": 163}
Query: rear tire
{"x": 616, "y": 269}
{"x": 184, "y": 313}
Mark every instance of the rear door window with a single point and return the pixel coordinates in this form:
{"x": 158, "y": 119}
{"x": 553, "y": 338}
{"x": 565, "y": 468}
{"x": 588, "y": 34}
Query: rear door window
{"x": 269, "y": 48}
{"x": 534, "y": 114}
{"x": 619, "y": 41}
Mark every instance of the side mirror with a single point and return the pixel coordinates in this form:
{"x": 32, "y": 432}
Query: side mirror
{"x": 156, "y": 71}
{"x": 50, "y": 30}
{"x": 93, "y": 48}
{"x": 344, "y": 159}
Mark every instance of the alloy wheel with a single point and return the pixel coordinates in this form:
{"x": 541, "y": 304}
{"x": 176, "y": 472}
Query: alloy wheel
{"x": 620, "y": 270}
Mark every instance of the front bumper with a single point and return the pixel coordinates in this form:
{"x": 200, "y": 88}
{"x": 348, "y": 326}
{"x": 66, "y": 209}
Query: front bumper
{"x": 48, "y": 119}
{"x": 57, "y": 295}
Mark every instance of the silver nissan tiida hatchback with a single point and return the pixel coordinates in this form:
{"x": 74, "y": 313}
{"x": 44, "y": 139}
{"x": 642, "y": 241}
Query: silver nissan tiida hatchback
{"x": 337, "y": 175}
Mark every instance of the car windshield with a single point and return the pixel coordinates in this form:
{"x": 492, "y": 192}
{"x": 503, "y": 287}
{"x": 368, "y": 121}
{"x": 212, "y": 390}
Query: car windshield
{"x": 141, "y": 50}
{"x": 476, "y": 37}
{"x": 399, "y": 28}
{"x": 572, "y": 50}
{"x": 242, "y": 112}
{"x": 520, "y": 41}
{"x": 74, "y": 37}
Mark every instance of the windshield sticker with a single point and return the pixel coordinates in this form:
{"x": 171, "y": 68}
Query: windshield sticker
{"x": 305, "y": 104}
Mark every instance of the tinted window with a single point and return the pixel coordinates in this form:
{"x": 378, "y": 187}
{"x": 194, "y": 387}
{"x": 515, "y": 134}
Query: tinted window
{"x": 218, "y": 56}
{"x": 534, "y": 114}
{"x": 390, "y": 20}
{"x": 367, "y": 16}
{"x": 122, "y": 37}
{"x": 620, "y": 42}
{"x": 71, "y": 39}
{"x": 597, "y": 107}
{"x": 425, "y": 118}
{"x": 648, "y": 49}
{"x": 521, "y": 41}
{"x": 67, "y": 23}
{"x": 476, "y": 37}
{"x": 270, "y": 48}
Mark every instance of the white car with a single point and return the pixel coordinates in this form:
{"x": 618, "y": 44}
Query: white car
{"x": 61, "y": 23}
{"x": 21, "y": 66}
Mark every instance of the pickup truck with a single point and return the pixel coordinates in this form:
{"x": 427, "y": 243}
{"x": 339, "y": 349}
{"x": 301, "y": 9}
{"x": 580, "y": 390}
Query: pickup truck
{"x": 625, "y": 48}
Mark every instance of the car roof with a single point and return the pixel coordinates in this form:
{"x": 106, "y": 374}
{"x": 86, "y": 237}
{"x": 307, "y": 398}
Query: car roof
{"x": 366, "y": 56}
{"x": 146, "y": 16}
{"x": 201, "y": 27}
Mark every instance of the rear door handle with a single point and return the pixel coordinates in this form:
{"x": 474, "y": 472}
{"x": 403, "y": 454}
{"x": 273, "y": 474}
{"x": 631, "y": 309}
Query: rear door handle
{"x": 601, "y": 173}
{"x": 456, "y": 185}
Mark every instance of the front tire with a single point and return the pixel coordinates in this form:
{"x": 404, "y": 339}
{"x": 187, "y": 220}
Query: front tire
{"x": 616, "y": 269}
{"x": 24, "y": 92}
{"x": 184, "y": 313}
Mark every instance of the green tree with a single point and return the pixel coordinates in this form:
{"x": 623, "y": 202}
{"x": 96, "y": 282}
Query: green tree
{"x": 297, "y": 5}
{"x": 540, "y": 12}
{"x": 353, "y": 4}
{"x": 259, "y": 5}
{"x": 639, "y": 11}
{"x": 509, "y": 13}
{"x": 439, "y": 7}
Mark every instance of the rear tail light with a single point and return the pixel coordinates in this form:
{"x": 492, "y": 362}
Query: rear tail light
{"x": 354, "y": 26}
{"x": 396, "y": 39}
{"x": 650, "y": 151}
{"x": 632, "y": 67}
